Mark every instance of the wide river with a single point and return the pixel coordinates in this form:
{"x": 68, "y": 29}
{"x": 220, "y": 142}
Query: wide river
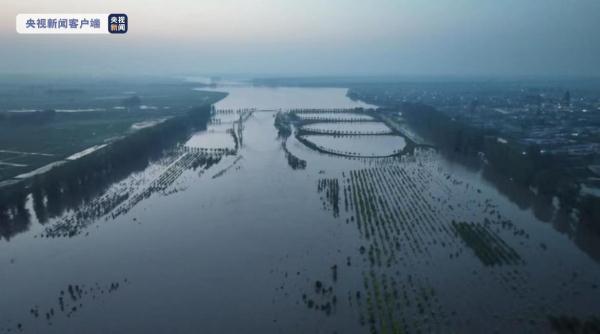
{"x": 252, "y": 245}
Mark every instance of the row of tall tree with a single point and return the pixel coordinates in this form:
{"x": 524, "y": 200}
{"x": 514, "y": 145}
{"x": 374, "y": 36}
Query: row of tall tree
{"x": 552, "y": 175}
{"x": 74, "y": 182}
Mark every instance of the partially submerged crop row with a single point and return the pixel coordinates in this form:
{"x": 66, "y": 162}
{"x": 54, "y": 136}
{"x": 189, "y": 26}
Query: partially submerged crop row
{"x": 193, "y": 159}
{"x": 404, "y": 210}
{"x": 331, "y": 188}
{"x": 486, "y": 244}
{"x": 121, "y": 200}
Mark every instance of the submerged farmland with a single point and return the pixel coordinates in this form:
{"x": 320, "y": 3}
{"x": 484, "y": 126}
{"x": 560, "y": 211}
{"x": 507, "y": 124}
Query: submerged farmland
{"x": 291, "y": 218}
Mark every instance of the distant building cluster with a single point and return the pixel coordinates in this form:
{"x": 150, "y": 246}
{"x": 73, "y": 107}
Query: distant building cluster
{"x": 554, "y": 126}
{"x": 548, "y": 118}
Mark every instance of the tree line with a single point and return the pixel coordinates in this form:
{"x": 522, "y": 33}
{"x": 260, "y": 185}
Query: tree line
{"x": 71, "y": 183}
{"x": 550, "y": 174}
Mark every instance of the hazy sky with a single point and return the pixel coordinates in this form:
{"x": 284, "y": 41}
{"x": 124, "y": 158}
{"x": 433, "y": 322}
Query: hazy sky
{"x": 315, "y": 37}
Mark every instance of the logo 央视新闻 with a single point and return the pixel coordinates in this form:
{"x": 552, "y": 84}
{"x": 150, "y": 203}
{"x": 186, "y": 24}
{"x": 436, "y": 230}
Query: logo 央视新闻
{"x": 117, "y": 23}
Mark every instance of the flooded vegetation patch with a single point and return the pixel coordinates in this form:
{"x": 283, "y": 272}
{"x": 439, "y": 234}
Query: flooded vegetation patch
{"x": 122, "y": 199}
{"x": 399, "y": 228}
{"x": 322, "y": 298}
{"x": 330, "y": 191}
{"x": 398, "y": 304}
{"x": 224, "y": 170}
{"x": 70, "y": 300}
{"x": 293, "y": 161}
{"x": 283, "y": 124}
{"x": 191, "y": 160}
{"x": 486, "y": 244}
{"x": 573, "y": 325}
{"x": 405, "y": 211}
{"x": 284, "y": 130}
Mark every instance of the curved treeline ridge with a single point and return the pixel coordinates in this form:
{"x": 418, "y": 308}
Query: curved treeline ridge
{"x": 326, "y": 110}
{"x": 337, "y": 132}
{"x": 79, "y": 180}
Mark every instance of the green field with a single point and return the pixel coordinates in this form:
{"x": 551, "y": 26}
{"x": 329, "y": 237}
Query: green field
{"x": 26, "y": 145}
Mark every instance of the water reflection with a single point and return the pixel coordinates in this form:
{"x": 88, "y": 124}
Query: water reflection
{"x": 541, "y": 206}
{"x": 81, "y": 182}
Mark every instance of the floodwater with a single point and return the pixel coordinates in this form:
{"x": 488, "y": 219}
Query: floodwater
{"x": 211, "y": 139}
{"x": 275, "y": 98}
{"x": 251, "y": 245}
